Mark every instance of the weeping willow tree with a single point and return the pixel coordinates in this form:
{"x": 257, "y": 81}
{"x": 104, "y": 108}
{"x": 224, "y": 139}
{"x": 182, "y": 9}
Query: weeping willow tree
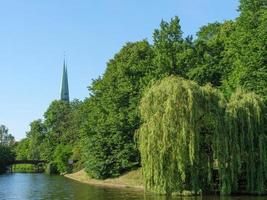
{"x": 176, "y": 148}
{"x": 243, "y": 153}
{"x": 187, "y": 128}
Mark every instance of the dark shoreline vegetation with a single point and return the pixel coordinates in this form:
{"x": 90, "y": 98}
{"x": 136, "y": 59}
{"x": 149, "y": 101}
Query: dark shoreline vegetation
{"x": 6, "y": 155}
{"x": 190, "y": 111}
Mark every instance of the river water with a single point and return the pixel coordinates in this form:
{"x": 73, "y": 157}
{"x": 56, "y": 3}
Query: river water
{"x": 44, "y": 187}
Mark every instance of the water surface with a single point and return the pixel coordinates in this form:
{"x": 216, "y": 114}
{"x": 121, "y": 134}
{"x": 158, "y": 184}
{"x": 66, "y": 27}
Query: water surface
{"x": 44, "y": 187}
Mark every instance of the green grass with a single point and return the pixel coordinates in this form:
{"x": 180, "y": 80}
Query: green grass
{"x": 26, "y": 168}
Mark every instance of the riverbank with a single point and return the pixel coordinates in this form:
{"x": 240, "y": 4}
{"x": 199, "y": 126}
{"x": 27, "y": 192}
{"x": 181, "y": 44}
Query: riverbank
{"x": 132, "y": 180}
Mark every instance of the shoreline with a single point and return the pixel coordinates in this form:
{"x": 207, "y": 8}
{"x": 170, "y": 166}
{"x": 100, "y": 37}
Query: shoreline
{"x": 131, "y": 180}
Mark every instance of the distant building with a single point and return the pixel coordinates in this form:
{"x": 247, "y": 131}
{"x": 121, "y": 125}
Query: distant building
{"x": 64, "y": 93}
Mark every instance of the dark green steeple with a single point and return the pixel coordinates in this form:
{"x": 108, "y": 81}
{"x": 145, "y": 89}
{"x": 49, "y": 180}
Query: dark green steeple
{"x": 65, "y": 84}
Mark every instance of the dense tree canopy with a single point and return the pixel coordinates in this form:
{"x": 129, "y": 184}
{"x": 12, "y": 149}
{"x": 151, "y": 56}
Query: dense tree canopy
{"x": 6, "y": 155}
{"x": 187, "y": 128}
{"x": 175, "y": 144}
{"x": 113, "y": 116}
{"x": 57, "y": 138}
{"x": 245, "y": 49}
{"x": 172, "y": 52}
{"x": 6, "y": 148}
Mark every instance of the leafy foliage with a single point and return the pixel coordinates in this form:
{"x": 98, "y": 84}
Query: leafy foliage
{"x": 173, "y": 53}
{"x": 35, "y": 136}
{"x": 22, "y": 149}
{"x": 245, "y": 49}
{"x": 54, "y": 139}
{"x": 209, "y": 52}
{"x": 243, "y": 151}
{"x": 184, "y": 132}
{"x": 61, "y": 158}
{"x": 6, "y": 155}
{"x": 113, "y": 112}
{"x": 176, "y": 150}
{"x": 7, "y": 142}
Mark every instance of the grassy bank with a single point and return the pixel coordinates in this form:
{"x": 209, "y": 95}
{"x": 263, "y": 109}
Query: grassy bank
{"x": 132, "y": 179}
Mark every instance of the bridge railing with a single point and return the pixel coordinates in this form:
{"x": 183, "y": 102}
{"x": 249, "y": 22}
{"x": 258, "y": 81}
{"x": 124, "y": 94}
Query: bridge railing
{"x": 33, "y": 162}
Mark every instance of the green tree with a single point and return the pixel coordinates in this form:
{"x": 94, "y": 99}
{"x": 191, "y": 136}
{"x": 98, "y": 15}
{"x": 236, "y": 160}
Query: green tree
{"x": 58, "y": 135}
{"x": 187, "y": 128}
{"x": 180, "y": 123}
{"x": 113, "y": 116}
{"x": 56, "y": 121}
{"x": 173, "y": 54}
{"x": 209, "y": 53}
{"x": 22, "y": 149}
{"x": 36, "y": 136}
{"x": 245, "y": 50}
{"x": 61, "y": 157}
{"x": 6, "y": 156}
{"x": 242, "y": 146}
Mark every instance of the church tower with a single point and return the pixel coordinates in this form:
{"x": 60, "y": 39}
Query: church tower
{"x": 64, "y": 96}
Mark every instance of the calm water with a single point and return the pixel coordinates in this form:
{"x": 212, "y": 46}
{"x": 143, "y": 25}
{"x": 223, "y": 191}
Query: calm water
{"x": 41, "y": 186}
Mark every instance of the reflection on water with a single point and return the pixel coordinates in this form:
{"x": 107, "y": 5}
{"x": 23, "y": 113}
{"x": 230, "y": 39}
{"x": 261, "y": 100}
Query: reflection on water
{"x": 44, "y": 187}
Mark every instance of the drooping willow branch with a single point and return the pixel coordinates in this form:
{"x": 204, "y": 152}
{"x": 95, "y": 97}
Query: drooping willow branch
{"x": 182, "y": 120}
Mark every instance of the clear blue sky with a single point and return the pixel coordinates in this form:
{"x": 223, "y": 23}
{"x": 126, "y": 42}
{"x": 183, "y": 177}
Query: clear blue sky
{"x": 35, "y": 33}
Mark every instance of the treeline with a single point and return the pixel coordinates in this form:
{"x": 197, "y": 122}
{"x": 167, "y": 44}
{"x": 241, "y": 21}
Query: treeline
{"x": 99, "y": 133}
{"x": 57, "y": 139}
{"x": 7, "y": 144}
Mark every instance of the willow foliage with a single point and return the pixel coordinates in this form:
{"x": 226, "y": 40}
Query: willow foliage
{"x": 188, "y": 128}
{"x": 175, "y": 153}
{"x": 245, "y": 157}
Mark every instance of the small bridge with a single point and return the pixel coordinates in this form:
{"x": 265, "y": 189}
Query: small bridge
{"x": 36, "y": 163}
{"x": 33, "y": 162}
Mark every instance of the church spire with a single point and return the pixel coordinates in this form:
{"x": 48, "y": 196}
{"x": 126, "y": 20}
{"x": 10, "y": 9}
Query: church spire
{"x": 65, "y": 85}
